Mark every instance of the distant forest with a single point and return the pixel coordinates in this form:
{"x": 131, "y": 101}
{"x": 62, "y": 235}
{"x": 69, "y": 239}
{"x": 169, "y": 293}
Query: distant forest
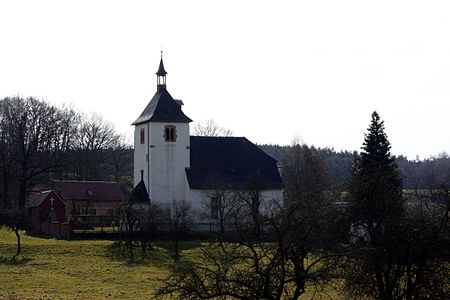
{"x": 423, "y": 174}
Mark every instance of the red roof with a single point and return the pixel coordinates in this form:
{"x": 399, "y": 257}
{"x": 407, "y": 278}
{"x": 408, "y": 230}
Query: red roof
{"x": 93, "y": 190}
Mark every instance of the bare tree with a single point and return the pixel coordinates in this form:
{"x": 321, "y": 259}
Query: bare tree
{"x": 151, "y": 219}
{"x": 120, "y": 156}
{"x": 6, "y": 162}
{"x": 130, "y": 217}
{"x": 139, "y": 223}
{"x": 277, "y": 265}
{"x": 94, "y": 137}
{"x": 68, "y": 130}
{"x": 15, "y": 219}
{"x": 33, "y": 137}
{"x": 221, "y": 203}
{"x": 178, "y": 215}
{"x": 250, "y": 212}
{"x": 275, "y": 251}
{"x": 211, "y": 128}
{"x": 305, "y": 175}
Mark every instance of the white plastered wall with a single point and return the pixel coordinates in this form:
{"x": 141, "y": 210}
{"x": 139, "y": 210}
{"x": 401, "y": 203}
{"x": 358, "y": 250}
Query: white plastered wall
{"x": 140, "y": 155}
{"x": 164, "y": 163}
{"x": 200, "y": 198}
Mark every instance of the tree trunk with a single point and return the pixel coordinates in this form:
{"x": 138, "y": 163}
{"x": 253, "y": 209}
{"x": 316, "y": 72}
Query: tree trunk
{"x": 5, "y": 188}
{"x": 143, "y": 248}
{"x": 22, "y": 193}
{"x": 176, "y": 254}
{"x": 409, "y": 284}
{"x": 19, "y": 249}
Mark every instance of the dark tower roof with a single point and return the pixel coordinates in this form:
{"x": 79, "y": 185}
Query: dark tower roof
{"x": 235, "y": 161}
{"x": 162, "y": 107}
{"x": 139, "y": 193}
{"x": 161, "y": 71}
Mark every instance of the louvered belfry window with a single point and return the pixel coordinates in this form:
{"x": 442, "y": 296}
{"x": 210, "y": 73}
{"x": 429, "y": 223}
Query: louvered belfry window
{"x": 170, "y": 133}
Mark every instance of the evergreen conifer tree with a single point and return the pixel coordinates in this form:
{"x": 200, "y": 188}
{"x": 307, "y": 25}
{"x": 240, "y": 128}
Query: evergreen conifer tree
{"x": 375, "y": 187}
{"x": 401, "y": 249}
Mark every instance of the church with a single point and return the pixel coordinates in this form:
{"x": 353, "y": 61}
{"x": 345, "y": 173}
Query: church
{"x": 172, "y": 165}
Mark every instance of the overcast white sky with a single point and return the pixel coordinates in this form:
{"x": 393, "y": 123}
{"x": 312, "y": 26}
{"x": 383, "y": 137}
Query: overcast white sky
{"x": 268, "y": 70}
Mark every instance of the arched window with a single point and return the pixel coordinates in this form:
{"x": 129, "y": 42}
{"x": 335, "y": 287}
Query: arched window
{"x": 142, "y": 136}
{"x": 170, "y": 133}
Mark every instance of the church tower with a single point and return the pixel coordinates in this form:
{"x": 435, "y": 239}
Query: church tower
{"x": 161, "y": 145}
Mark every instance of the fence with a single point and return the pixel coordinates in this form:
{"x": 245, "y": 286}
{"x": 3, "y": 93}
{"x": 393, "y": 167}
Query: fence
{"x": 57, "y": 230}
{"x": 90, "y": 221}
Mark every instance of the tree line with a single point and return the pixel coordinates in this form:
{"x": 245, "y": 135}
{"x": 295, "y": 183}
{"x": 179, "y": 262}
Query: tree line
{"x": 416, "y": 174}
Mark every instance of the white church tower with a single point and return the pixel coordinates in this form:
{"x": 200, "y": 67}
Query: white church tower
{"x": 161, "y": 145}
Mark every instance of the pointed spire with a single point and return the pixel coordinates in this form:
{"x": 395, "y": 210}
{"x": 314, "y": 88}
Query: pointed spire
{"x": 161, "y": 71}
{"x": 161, "y": 75}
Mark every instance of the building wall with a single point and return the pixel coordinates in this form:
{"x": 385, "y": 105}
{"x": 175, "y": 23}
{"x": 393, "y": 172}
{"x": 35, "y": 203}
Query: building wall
{"x": 58, "y": 206}
{"x": 163, "y": 163}
{"x": 140, "y": 154}
{"x": 105, "y": 208}
{"x": 101, "y": 207}
{"x": 200, "y": 199}
{"x": 57, "y": 230}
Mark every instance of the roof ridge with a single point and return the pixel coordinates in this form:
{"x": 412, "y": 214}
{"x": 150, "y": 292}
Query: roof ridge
{"x": 216, "y": 137}
{"x": 86, "y": 181}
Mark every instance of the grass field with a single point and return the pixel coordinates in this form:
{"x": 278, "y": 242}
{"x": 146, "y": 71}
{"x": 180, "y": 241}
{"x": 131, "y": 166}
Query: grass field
{"x": 55, "y": 269}
{"x": 58, "y": 269}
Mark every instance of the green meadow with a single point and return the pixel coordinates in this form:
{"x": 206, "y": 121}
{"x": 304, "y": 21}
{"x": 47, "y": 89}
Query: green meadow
{"x": 85, "y": 269}
{"x": 57, "y": 269}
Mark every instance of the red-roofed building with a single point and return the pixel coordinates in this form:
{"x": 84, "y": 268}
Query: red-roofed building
{"x": 46, "y": 206}
{"x": 100, "y": 198}
{"x": 48, "y": 214}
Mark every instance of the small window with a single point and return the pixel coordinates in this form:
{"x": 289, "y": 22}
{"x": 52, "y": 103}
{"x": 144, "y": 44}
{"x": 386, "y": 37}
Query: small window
{"x": 214, "y": 207}
{"x": 142, "y": 136}
{"x": 52, "y": 216}
{"x": 170, "y": 133}
{"x": 92, "y": 211}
